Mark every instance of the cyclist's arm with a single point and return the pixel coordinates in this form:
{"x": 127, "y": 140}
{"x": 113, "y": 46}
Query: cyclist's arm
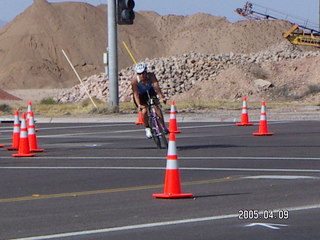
{"x": 157, "y": 87}
{"x": 134, "y": 86}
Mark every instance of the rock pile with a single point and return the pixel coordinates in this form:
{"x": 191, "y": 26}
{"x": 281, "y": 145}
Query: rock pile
{"x": 178, "y": 74}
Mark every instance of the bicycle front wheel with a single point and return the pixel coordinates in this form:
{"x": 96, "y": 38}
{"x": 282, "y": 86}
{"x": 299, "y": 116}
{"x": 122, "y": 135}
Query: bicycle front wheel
{"x": 154, "y": 131}
{"x": 163, "y": 134}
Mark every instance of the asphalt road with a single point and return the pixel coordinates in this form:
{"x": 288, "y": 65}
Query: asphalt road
{"x": 95, "y": 181}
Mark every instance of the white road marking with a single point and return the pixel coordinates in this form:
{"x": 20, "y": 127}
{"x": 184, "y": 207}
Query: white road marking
{"x": 153, "y": 225}
{"x": 256, "y": 169}
{"x": 108, "y": 125}
{"x": 117, "y": 131}
{"x": 273, "y": 226}
{"x": 64, "y": 135}
{"x": 75, "y": 127}
{"x": 280, "y": 177}
{"x": 180, "y": 157}
{"x": 88, "y": 126}
{"x": 183, "y": 168}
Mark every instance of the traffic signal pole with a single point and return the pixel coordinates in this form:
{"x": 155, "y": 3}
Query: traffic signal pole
{"x": 125, "y": 16}
{"x": 113, "y": 57}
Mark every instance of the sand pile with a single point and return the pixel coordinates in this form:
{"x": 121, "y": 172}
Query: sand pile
{"x": 2, "y": 23}
{"x": 30, "y": 52}
{"x": 31, "y": 44}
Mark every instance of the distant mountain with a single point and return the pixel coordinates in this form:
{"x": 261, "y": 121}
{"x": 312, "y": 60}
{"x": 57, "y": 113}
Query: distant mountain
{"x": 2, "y": 23}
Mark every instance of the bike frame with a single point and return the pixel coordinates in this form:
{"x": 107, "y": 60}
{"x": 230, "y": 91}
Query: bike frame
{"x": 157, "y": 128}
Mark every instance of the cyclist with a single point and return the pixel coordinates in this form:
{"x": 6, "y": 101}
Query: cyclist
{"x": 142, "y": 83}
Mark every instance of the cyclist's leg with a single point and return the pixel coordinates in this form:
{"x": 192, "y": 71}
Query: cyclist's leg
{"x": 145, "y": 115}
{"x": 144, "y": 110}
{"x": 160, "y": 114}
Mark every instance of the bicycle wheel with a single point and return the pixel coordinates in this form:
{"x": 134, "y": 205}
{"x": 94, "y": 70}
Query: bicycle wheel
{"x": 163, "y": 134}
{"x": 155, "y": 135}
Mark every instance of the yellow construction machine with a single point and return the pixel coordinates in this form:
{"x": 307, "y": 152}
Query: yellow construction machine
{"x": 299, "y": 34}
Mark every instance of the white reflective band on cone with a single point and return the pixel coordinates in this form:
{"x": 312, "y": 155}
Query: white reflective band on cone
{"x": 244, "y": 104}
{"x": 31, "y": 130}
{"x": 23, "y": 133}
{"x": 172, "y": 165}
{"x": 172, "y": 149}
{"x": 172, "y": 109}
{"x": 172, "y": 115}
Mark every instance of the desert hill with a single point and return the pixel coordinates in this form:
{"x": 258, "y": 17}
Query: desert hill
{"x": 2, "y": 23}
{"x": 30, "y": 52}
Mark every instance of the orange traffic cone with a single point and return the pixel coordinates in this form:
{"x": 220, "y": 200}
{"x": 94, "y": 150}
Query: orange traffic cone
{"x": 173, "y": 126}
{"x": 29, "y": 110}
{"x": 32, "y": 137}
{"x": 140, "y": 119}
{"x": 244, "y": 115}
{"x": 263, "y": 126}
{"x": 23, "y": 150}
{"x": 16, "y": 132}
{"x": 172, "y": 186}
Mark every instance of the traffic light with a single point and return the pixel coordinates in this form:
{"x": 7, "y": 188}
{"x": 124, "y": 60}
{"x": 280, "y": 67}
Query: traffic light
{"x": 125, "y": 12}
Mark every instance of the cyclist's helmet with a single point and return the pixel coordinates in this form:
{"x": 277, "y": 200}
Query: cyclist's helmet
{"x": 141, "y": 67}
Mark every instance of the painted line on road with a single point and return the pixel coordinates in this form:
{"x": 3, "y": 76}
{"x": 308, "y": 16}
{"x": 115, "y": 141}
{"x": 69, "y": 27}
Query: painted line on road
{"x": 180, "y": 157}
{"x": 65, "y": 135}
{"x": 108, "y": 131}
{"x": 137, "y": 130}
{"x": 125, "y": 131}
{"x": 153, "y": 225}
{"x": 88, "y": 126}
{"x": 75, "y": 127}
{"x": 273, "y": 226}
{"x": 37, "y": 196}
{"x": 162, "y": 168}
{"x": 226, "y": 124}
{"x": 87, "y": 133}
{"x": 281, "y": 177}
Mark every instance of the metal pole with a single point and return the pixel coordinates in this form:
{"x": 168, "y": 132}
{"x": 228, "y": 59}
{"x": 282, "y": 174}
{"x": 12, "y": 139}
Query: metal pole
{"x": 113, "y": 57}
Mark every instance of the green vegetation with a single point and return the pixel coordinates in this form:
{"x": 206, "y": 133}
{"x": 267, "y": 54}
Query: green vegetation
{"x": 5, "y": 108}
{"x": 312, "y": 89}
{"x": 48, "y": 101}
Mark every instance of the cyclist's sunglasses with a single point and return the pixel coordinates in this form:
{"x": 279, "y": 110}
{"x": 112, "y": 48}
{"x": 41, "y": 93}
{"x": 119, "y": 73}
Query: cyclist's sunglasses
{"x": 142, "y": 73}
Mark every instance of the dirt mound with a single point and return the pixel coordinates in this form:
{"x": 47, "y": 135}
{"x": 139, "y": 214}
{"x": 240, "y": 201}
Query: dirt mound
{"x": 2, "y": 23}
{"x": 31, "y": 45}
{"x": 30, "y": 52}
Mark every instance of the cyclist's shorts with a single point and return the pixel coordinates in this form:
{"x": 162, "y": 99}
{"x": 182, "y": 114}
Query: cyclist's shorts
{"x": 144, "y": 97}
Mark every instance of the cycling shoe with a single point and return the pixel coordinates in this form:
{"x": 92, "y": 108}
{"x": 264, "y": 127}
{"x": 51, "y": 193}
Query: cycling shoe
{"x": 148, "y": 133}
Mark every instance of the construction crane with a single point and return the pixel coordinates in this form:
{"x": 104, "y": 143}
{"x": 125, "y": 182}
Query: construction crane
{"x": 302, "y": 31}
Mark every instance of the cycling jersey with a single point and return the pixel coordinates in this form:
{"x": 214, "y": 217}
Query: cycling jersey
{"x": 144, "y": 89}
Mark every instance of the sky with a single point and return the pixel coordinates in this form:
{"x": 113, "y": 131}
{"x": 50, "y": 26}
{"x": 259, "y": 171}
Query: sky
{"x": 299, "y": 9}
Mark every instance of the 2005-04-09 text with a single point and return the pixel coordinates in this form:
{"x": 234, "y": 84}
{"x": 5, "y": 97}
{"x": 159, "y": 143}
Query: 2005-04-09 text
{"x": 249, "y": 214}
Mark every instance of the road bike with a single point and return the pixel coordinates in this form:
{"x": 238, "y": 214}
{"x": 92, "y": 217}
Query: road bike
{"x": 157, "y": 127}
